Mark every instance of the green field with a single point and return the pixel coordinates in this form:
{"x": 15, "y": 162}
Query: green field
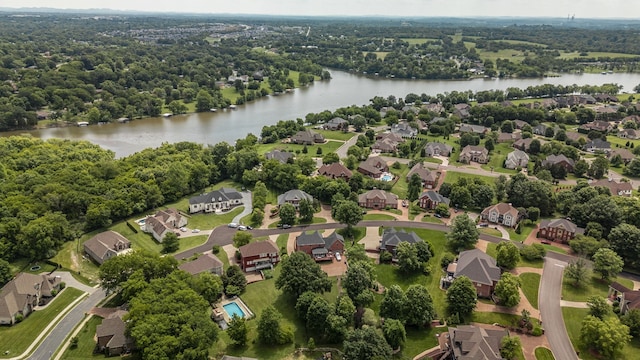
{"x": 594, "y": 286}
{"x": 492, "y": 251}
{"x": 418, "y": 41}
{"x": 508, "y": 54}
{"x": 327, "y": 147}
{"x": 520, "y": 42}
{"x": 401, "y": 187}
{"x": 530, "y": 283}
{"x": 17, "y": 338}
{"x": 497, "y": 158}
{"x": 594, "y": 54}
{"x": 490, "y": 231}
{"x": 336, "y": 135}
{"x": 453, "y": 176}
{"x": 543, "y": 353}
{"x": 431, "y": 219}
{"x": 378, "y": 217}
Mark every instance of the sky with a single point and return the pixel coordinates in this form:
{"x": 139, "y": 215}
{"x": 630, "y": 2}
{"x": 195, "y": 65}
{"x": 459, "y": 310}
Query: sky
{"x": 454, "y": 8}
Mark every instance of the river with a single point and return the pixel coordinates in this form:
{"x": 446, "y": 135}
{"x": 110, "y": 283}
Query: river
{"x": 344, "y": 89}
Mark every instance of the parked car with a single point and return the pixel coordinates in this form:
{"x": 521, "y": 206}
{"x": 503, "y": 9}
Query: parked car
{"x": 242, "y": 228}
{"x": 233, "y": 225}
{"x": 249, "y": 227}
{"x": 195, "y": 231}
{"x": 183, "y": 229}
{"x": 404, "y": 203}
{"x": 438, "y": 215}
{"x": 286, "y": 226}
{"x": 483, "y": 225}
{"x": 338, "y": 256}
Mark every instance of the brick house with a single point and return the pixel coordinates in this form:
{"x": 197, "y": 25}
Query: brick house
{"x": 430, "y": 199}
{"x": 560, "y": 230}
{"x": 437, "y": 149}
{"x": 561, "y": 160}
{"x": 501, "y": 213}
{"x": 378, "y": 199}
{"x": 335, "y": 171}
{"x": 319, "y": 247}
{"x": 480, "y": 268}
{"x": 391, "y": 238}
{"x": 259, "y": 255}
{"x": 373, "y": 167}
{"x": 429, "y": 178}
{"x": 111, "y": 337}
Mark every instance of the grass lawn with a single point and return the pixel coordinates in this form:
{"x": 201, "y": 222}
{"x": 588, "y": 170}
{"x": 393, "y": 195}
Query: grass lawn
{"x": 530, "y": 283}
{"x": 431, "y": 219}
{"x": 432, "y": 160}
{"x": 492, "y": 251}
{"x": 418, "y": 41}
{"x": 453, "y": 176}
{"x": 69, "y": 258}
{"x": 524, "y": 232}
{"x": 312, "y": 150}
{"x": 497, "y": 158}
{"x": 86, "y": 343}
{"x": 490, "y": 231}
{"x": 418, "y": 340}
{"x": 493, "y": 318}
{"x": 554, "y": 249}
{"x": 573, "y": 321}
{"x": 593, "y": 54}
{"x": 336, "y": 135}
{"x": 401, "y": 187}
{"x": 594, "y": 286}
{"x": 542, "y": 353}
{"x": 191, "y": 242}
{"x": 378, "y": 217}
{"x": 381, "y": 54}
{"x": 509, "y": 54}
{"x": 282, "y": 240}
{"x": 614, "y": 140}
{"x": 16, "y": 338}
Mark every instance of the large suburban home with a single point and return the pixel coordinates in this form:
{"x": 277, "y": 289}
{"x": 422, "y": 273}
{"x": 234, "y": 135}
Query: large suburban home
{"x": 479, "y": 267}
{"x": 259, "y": 255}
{"x": 204, "y": 263}
{"x": 625, "y": 155}
{"x": 561, "y": 160}
{"x": 525, "y": 144}
{"x": 335, "y": 171}
{"x": 559, "y": 230}
{"x": 318, "y": 247}
{"x": 474, "y": 129}
{"x": 467, "y": 342}
{"x": 437, "y": 149}
{"x": 622, "y": 188}
{"x": 519, "y": 124}
{"x": 516, "y": 159}
{"x": 163, "y": 222}
{"x": 540, "y": 129}
{"x": 106, "y": 245}
{"x": 373, "y": 167}
{"x": 404, "y": 130}
{"x": 430, "y": 199}
{"x": 501, "y": 213}
{"x": 385, "y": 145}
{"x": 597, "y": 145}
{"x": 307, "y": 137}
{"x": 631, "y": 134}
{"x": 111, "y": 336}
{"x": 378, "y": 199}
{"x": 21, "y": 295}
{"x": 223, "y": 199}
{"x": 507, "y": 137}
{"x": 294, "y": 197}
{"x": 391, "y": 238}
{"x": 602, "y": 126}
{"x": 429, "y": 178}
{"x": 337, "y": 123}
{"x": 629, "y": 299}
{"x": 474, "y": 153}
{"x": 462, "y": 110}
{"x": 282, "y": 156}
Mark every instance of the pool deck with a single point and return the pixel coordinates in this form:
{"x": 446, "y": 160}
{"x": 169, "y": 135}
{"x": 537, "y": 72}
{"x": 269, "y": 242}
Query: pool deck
{"x": 220, "y": 308}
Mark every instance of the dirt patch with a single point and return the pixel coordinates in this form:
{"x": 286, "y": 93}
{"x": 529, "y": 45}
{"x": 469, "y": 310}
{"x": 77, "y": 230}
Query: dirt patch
{"x": 334, "y": 268}
{"x": 75, "y": 265}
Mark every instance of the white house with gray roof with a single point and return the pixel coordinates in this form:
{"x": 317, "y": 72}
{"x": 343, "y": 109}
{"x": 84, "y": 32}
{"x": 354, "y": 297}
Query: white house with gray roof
{"x": 516, "y": 159}
{"x": 437, "y": 149}
{"x": 293, "y": 197}
{"x": 223, "y": 199}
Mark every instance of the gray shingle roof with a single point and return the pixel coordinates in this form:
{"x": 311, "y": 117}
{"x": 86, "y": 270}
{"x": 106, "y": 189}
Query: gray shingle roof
{"x": 435, "y": 197}
{"x": 477, "y": 266}
{"x": 222, "y": 194}
{"x": 394, "y": 237}
{"x": 293, "y": 196}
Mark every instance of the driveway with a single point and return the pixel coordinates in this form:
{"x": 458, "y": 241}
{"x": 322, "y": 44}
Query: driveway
{"x": 342, "y": 150}
{"x": 248, "y": 206}
{"x": 551, "y": 312}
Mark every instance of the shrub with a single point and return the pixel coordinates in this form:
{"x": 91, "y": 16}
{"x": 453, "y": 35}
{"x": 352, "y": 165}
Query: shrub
{"x": 63, "y": 285}
{"x": 537, "y": 331}
{"x": 426, "y": 268}
{"x": 311, "y": 344}
{"x": 19, "y": 318}
{"x": 216, "y": 249}
{"x": 238, "y": 256}
{"x": 54, "y": 292}
{"x": 232, "y": 290}
{"x": 74, "y": 342}
{"x": 447, "y": 259}
{"x": 533, "y": 252}
{"x": 385, "y": 257}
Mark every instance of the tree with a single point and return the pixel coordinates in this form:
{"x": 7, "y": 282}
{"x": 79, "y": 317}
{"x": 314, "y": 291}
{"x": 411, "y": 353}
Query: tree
{"x": 238, "y": 330}
{"x": 345, "y": 309}
{"x": 586, "y": 245}
{"x": 510, "y": 347}
{"x": 580, "y": 168}
{"x": 463, "y": 234}
{"x": 366, "y": 344}
{"x": 599, "y": 167}
{"x": 5, "y": 272}
{"x": 305, "y": 207}
{"x": 577, "y": 272}
{"x": 625, "y": 241}
{"x": 508, "y": 255}
{"x": 117, "y": 270}
{"x": 204, "y": 101}
{"x": 407, "y": 256}
{"x": 460, "y": 196}
{"x": 300, "y": 273}
{"x": 349, "y": 213}
{"x": 534, "y": 147}
{"x": 318, "y": 314}
{"x": 358, "y": 282}
{"x": 424, "y": 251}
{"x": 607, "y": 336}
{"x": 482, "y": 195}
{"x": 287, "y": 214}
{"x": 234, "y": 281}
{"x": 330, "y": 158}
{"x": 607, "y": 263}
{"x": 393, "y": 303}
{"x": 442, "y": 209}
{"x": 241, "y": 238}
{"x": 419, "y": 310}
{"x": 533, "y": 252}
{"x": 632, "y": 320}
{"x": 270, "y": 331}
{"x": 598, "y": 307}
{"x": 461, "y": 297}
{"x": 415, "y": 187}
{"x": 208, "y": 285}
{"x": 394, "y": 333}
{"x": 508, "y": 290}
{"x": 488, "y": 144}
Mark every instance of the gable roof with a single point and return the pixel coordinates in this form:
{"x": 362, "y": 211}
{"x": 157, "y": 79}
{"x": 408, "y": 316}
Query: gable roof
{"x": 555, "y": 159}
{"x": 517, "y": 156}
{"x": 257, "y": 248}
{"x": 561, "y": 223}
{"x": 105, "y": 242}
{"x": 315, "y": 238}
{"x": 281, "y": 156}
{"x": 502, "y": 209}
{"x": 206, "y": 262}
{"x": 597, "y": 144}
{"x": 470, "y": 342}
{"x": 616, "y": 188}
{"x": 24, "y": 289}
{"x": 373, "y": 165}
{"x": 111, "y": 333}
{"x": 478, "y": 129}
{"x": 477, "y": 266}
{"x": 394, "y": 237}
{"x": 294, "y": 195}
{"x": 307, "y": 135}
{"x": 220, "y": 195}
{"x": 435, "y": 197}
{"x": 442, "y": 148}
{"x": 389, "y": 198}
{"x": 335, "y": 170}
{"x": 424, "y": 173}
{"x": 473, "y": 149}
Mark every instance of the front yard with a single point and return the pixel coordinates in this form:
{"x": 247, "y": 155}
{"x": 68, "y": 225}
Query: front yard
{"x": 594, "y": 286}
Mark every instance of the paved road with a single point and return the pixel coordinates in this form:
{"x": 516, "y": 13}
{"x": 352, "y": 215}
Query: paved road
{"x": 342, "y": 150}
{"x": 65, "y": 326}
{"x": 550, "y": 310}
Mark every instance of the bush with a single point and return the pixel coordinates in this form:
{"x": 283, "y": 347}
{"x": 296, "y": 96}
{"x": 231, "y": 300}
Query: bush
{"x": 537, "y": 331}
{"x": 311, "y": 344}
{"x": 533, "y": 252}
{"x": 54, "y": 292}
{"x": 63, "y": 285}
{"x": 426, "y": 268}
{"x": 238, "y": 256}
{"x": 74, "y": 342}
{"x": 285, "y": 336}
{"x": 369, "y": 317}
{"x": 216, "y": 249}
{"x": 385, "y": 257}
{"x": 447, "y": 259}
{"x": 19, "y": 318}
{"x": 232, "y": 290}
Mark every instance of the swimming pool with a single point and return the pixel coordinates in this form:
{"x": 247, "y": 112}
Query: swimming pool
{"x": 386, "y": 177}
{"x": 233, "y": 308}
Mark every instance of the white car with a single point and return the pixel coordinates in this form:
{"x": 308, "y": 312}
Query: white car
{"x": 242, "y": 228}
{"x": 195, "y": 231}
{"x": 338, "y": 256}
{"x": 233, "y": 225}
{"x": 183, "y": 229}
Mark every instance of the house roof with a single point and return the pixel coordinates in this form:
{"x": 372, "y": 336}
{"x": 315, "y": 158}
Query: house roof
{"x": 281, "y": 156}
{"x": 373, "y": 165}
{"x": 307, "y": 135}
{"x": 257, "y": 248}
{"x": 337, "y": 121}
{"x": 555, "y": 159}
{"x": 597, "y": 144}
{"x": 15, "y": 294}
{"x": 206, "y": 262}
{"x": 380, "y": 194}
{"x": 517, "y": 155}
{"x": 477, "y": 266}
{"x": 104, "y": 242}
{"x": 474, "y": 343}
{"x": 385, "y": 144}
{"x": 509, "y": 136}
{"x": 473, "y": 150}
{"x": 294, "y": 195}
{"x": 478, "y": 129}
{"x": 561, "y": 223}
{"x": 435, "y": 197}
{"x": 113, "y": 330}
{"x": 394, "y": 237}
{"x": 424, "y": 173}
{"x": 315, "y": 238}
{"x": 220, "y": 195}
{"x": 502, "y": 209}
{"x": 442, "y": 148}
{"x": 614, "y": 187}
{"x": 625, "y": 154}
{"x": 335, "y": 170}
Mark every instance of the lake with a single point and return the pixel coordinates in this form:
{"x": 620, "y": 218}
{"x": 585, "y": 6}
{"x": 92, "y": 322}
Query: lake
{"x": 344, "y": 89}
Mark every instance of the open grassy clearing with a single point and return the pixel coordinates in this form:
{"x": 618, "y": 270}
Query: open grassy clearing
{"x": 520, "y": 42}
{"x": 378, "y": 217}
{"x": 417, "y": 41}
{"x": 498, "y": 157}
{"x": 312, "y": 150}
{"x": 452, "y": 177}
{"x": 594, "y": 54}
{"x": 524, "y": 232}
{"x": 542, "y": 353}
{"x": 431, "y": 219}
{"x": 507, "y": 54}
{"x": 614, "y": 140}
{"x": 17, "y": 338}
{"x": 530, "y": 283}
{"x": 490, "y": 231}
{"x": 336, "y": 135}
{"x": 401, "y": 187}
{"x": 594, "y": 286}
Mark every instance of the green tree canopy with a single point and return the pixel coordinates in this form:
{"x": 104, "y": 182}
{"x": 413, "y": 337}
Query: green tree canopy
{"x": 366, "y": 344}
{"x": 607, "y": 263}
{"x": 508, "y": 255}
{"x": 300, "y": 273}
{"x": 463, "y": 234}
{"x": 507, "y": 290}
{"x": 461, "y": 297}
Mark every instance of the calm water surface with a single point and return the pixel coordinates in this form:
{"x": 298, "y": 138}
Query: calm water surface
{"x": 344, "y": 89}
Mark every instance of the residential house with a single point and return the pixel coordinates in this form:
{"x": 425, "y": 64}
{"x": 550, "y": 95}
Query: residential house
{"x": 337, "y": 123}
{"x": 259, "y": 255}
{"x": 516, "y": 159}
{"x": 549, "y": 103}
{"x": 437, "y": 149}
{"x": 403, "y": 129}
{"x": 106, "y": 245}
{"x": 430, "y": 199}
{"x": 480, "y": 268}
{"x": 163, "y": 222}
{"x": 625, "y": 155}
{"x": 559, "y": 230}
{"x": 223, "y": 199}
{"x": 282, "y": 156}
{"x": 605, "y": 98}
{"x": 391, "y": 238}
{"x": 474, "y": 153}
{"x": 562, "y": 160}
{"x": 373, "y": 167}
{"x": 506, "y": 137}
{"x": 606, "y": 112}
{"x": 319, "y": 247}
{"x": 474, "y": 129}
{"x": 391, "y": 136}
{"x": 501, "y": 213}
{"x": 204, "y": 263}
{"x": 519, "y": 124}
{"x": 540, "y": 129}
{"x": 111, "y": 336}
{"x": 602, "y": 126}
{"x": 435, "y": 108}
{"x": 385, "y": 145}
{"x": 628, "y": 299}
{"x": 378, "y": 199}
{"x": 469, "y": 342}
{"x": 524, "y": 144}
{"x": 335, "y": 171}
{"x": 20, "y": 296}
{"x": 622, "y": 188}
{"x": 631, "y": 118}
{"x": 574, "y": 135}
{"x": 429, "y": 178}
{"x": 293, "y": 197}
{"x": 307, "y": 137}
{"x": 597, "y": 145}
{"x": 462, "y": 110}
{"x": 631, "y": 134}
